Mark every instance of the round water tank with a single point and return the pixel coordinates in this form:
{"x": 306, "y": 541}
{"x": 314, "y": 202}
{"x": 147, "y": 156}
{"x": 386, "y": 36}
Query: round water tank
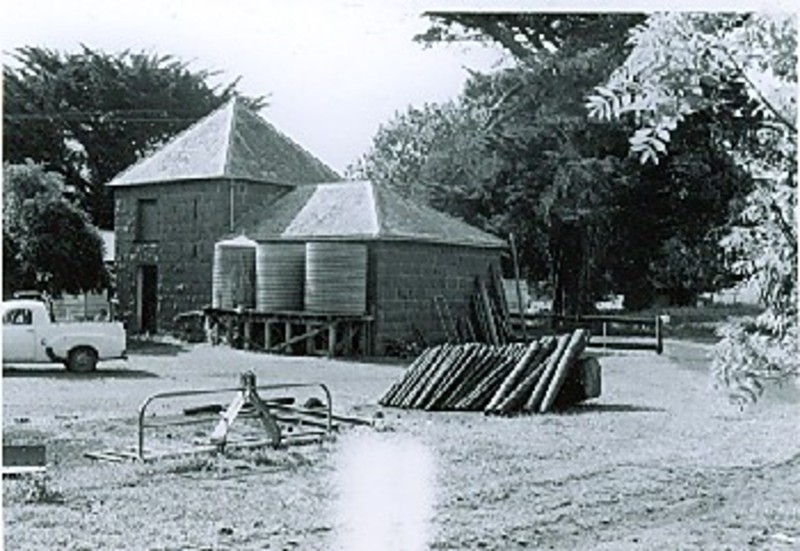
{"x": 336, "y": 278}
{"x": 234, "y": 274}
{"x": 280, "y": 272}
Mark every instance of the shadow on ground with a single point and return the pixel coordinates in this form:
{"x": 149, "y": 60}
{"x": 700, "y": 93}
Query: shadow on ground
{"x": 62, "y": 373}
{"x": 609, "y": 408}
{"x": 137, "y": 347}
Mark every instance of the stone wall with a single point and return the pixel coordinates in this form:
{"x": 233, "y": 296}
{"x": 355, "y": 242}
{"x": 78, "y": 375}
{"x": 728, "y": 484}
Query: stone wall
{"x": 405, "y": 278}
{"x": 193, "y": 215}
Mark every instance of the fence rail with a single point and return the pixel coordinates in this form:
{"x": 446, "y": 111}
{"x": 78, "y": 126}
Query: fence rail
{"x": 607, "y": 331}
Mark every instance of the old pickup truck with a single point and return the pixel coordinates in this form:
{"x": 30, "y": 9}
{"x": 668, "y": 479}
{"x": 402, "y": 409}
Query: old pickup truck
{"x": 30, "y": 336}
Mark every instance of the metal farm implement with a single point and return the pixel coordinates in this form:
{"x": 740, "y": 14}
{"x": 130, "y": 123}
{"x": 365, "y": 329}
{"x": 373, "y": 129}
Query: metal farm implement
{"x": 250, "y": 420}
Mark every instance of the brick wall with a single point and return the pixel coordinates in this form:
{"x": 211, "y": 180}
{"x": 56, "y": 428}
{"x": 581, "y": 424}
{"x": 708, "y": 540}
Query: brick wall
{"x": 405, "y": 277}
{"x": 193, "y": 216}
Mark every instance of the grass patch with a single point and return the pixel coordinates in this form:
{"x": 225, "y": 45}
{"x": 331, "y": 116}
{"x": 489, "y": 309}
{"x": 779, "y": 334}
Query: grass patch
{"x": 699, "y": 323}
{"x": 35, "y": 489}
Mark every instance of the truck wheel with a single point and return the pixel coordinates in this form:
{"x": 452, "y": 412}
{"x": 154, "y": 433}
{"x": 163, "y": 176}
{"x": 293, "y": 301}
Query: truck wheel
{"x": 82, "y": 360}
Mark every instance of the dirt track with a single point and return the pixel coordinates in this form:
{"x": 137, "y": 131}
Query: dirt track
{"x": 660, "y": 461}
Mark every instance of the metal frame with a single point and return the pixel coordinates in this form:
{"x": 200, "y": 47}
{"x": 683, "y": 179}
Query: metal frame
{"x": 245, "y": 387}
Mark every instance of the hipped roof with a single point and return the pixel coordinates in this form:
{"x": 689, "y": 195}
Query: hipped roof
{"x": 231, "y": 142}
{"x": 355, "y": 211}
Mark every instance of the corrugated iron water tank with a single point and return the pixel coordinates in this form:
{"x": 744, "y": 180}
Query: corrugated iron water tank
{"x": 280, "y": 273}
{"x": 336, "y": 278}
{"x": 234, "y": 273}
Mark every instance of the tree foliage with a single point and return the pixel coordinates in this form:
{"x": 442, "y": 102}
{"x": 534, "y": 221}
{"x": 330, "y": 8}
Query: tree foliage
{"x": 89, "y": 115}
{"x": 740, "y": 71}
{"x": 504, "y": 154}
{"x": 517, "y": 153}
{"x": 48, "y": 241}
{"x": 527, "y": 35}
{"x": 416, "y": 151}
{"x": 741, "y": 67}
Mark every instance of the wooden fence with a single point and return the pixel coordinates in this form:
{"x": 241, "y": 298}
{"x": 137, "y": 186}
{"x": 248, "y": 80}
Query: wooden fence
{"x": 607, "y": 331}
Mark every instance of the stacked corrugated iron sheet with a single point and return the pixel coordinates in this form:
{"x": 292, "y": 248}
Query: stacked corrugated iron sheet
{"x": 499, "y": 379}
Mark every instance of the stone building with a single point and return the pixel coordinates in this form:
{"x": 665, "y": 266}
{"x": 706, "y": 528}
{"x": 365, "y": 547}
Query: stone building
{"x": 233, "y": 174}
{"x": 172, "y": 206}
{"x": 415, "y": 254}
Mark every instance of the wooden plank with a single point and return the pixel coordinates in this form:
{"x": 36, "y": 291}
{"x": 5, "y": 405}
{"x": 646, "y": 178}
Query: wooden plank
{"x": 322, "y": 413}
{"x": 441, "y": 372}
{"x": 425, "y": 374}
{"x": 22, "y": 470}
{"x": 107, "y": 456}
{"x": 544, "y": 380}
{"x": 296, "y": 339}
{"x": 393, "y": 396}
{"x": 24, "y": 455}
{"x": 514, "y": 377}
{"x": 502, "y": 305}
{"x": 466, "y": 382}
{"x": 468, "y": 329}
{"x": 220, "y": 432}
{"x": 517, "y": 397}
{"x": 575, "y": 347}
{"x": 520, "y": 306}
{"x": 486, "y": 307}
{"x": 497, "y": 369}
{"x": 438, "y": 301}
{"x": 455, "y": 375}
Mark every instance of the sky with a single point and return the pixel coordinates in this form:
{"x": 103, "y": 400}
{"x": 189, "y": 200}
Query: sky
{"x": 332, "y": 70}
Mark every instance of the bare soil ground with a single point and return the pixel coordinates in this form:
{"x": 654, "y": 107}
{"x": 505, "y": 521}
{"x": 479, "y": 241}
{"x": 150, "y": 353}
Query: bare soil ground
{"x": 659, "y": 461}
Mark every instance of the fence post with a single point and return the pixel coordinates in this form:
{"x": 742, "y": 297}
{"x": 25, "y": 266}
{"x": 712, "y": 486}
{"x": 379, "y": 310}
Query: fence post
{"x": 659, "y": 336}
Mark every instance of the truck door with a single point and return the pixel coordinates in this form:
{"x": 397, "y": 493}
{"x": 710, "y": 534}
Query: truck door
{"x": 19, "y": 336}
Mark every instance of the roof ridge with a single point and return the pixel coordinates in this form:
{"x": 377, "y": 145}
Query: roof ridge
{"x": 376, "y": 213}
{"x": 289, "y": 141}
{"x": 396, "y": 196}
{"x": 230, "y": 129}
{"x": 232, "y": 141}
{"x": 170, "y": 141}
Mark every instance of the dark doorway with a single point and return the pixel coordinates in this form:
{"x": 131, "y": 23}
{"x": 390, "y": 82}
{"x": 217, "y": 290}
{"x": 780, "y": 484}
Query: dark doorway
{"x": 147, "y": 298}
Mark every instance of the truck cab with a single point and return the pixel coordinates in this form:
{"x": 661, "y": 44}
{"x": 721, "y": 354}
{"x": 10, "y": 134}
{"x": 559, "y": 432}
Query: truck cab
{"x": 31, "y": 336}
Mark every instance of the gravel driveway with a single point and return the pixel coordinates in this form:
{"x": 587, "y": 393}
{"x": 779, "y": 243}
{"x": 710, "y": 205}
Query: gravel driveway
{"x": 659, "y": 461}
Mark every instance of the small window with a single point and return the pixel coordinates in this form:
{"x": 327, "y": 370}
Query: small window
{"x": 147, "y": 220}
{"x": 18, "y": 316}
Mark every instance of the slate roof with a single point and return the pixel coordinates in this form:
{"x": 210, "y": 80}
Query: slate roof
{"x": 231, "y": 142}
{"x": 359, "y": 211}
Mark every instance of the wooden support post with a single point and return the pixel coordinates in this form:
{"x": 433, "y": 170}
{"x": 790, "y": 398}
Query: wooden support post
{"x": 332, "y": 339}
{"x": 310, "y": 348}
{"x": 360, "y": 337}
{"x": 368, "y": 347}
{"x": 248, "y": 335}
{"x": 267, "y": 335}
{"x": 349, "y": 338}
{"x": 659, "y": 336}
{"x": 520, "y": 305}
{"x": 287, "y": 333}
